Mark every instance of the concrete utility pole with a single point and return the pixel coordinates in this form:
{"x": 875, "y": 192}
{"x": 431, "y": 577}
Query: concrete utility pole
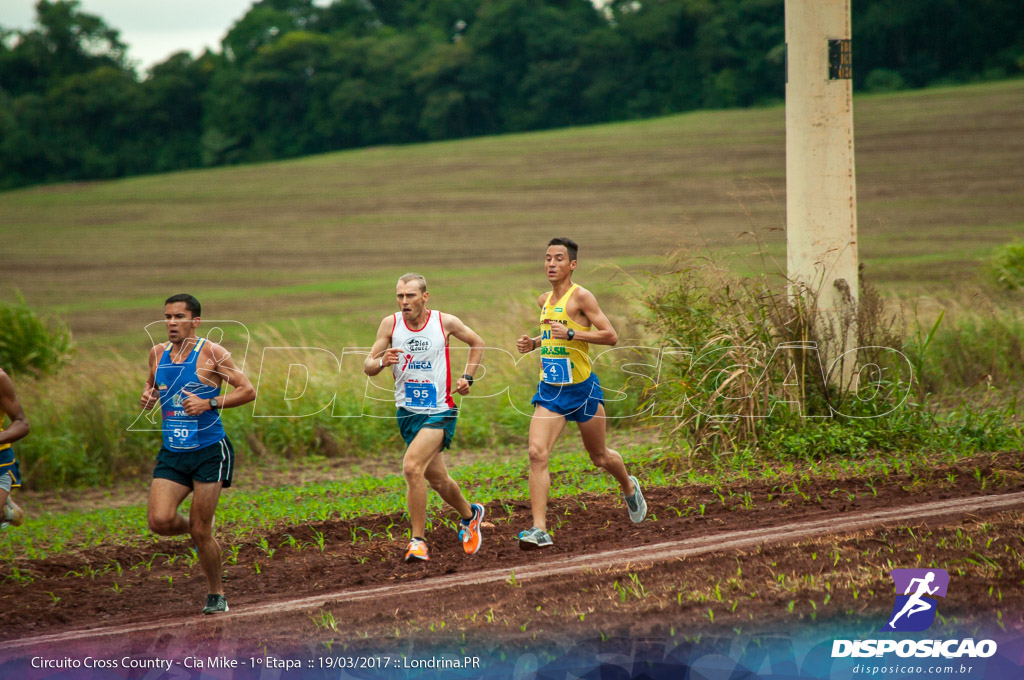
{"x": 821, "y": 200}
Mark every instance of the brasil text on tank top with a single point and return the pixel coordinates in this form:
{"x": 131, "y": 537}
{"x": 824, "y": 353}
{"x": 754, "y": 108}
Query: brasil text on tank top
{"x": 423, "y": 375}
{"x": 562, "y": 362}
{"x": 183, "y": 432}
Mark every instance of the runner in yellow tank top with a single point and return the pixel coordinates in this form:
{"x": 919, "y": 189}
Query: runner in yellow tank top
{"x": 561, "y": 359}
{"x": 10, "y": 475}
{"x": 568, "y": 389}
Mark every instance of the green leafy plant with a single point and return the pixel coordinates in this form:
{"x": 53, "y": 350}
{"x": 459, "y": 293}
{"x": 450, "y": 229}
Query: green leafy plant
{"x": 30, "y": 343}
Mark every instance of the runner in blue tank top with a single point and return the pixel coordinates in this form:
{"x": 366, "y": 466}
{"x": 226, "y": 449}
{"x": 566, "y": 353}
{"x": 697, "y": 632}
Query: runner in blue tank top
{"x": 185, "y": 377}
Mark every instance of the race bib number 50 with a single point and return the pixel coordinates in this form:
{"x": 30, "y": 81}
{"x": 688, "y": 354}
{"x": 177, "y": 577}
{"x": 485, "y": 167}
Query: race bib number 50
{"x": 181, "y": 433}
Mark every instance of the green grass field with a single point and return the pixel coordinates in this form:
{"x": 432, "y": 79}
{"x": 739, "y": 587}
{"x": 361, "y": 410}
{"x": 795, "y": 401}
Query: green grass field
{"x": 313, "y": 245}
{"x": 305, "y": 253}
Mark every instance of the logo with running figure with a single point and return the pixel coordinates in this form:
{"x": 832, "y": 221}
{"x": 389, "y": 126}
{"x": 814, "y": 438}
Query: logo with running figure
{"x": 915, "y": 592}
{"x": 417, "y": 344}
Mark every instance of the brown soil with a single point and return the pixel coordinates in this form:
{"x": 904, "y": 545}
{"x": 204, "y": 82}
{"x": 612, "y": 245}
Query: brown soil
{"x": 826, "y": 577}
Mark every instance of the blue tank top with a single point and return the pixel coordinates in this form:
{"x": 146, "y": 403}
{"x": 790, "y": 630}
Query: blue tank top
{"x": 183, "y": 432}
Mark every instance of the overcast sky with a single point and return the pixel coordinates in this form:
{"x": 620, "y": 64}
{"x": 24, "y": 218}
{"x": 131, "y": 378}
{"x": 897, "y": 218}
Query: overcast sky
{"x": 152, "y": 29}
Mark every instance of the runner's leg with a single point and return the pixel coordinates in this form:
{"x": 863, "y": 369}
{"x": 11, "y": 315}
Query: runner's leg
{"x": 164, "y": 498}
{"x": 421, "y": 452}
{"x": 545, "y": 427}
{"x": 446, "y": 487}
{"x": 200, "y": 521}
{"x": 11, "y": 513}
{"x": 593, "y": 434}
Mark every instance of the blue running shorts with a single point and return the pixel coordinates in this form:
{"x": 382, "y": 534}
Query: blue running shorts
{"x": 577, "y": 402}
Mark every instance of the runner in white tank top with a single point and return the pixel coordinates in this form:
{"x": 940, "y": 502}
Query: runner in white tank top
{"x": 414, "y": 343}
{"x": 423, "y": 376}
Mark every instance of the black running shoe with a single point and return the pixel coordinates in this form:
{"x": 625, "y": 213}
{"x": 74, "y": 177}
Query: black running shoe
{"x": 215, "y": 604}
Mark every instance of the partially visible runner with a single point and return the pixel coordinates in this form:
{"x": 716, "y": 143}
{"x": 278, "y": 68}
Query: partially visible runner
{"x": 414, "y": 343}
{"x": 570, "y": 321}
{"x": 185, "y": 377}
{"x": 10, "y": 475}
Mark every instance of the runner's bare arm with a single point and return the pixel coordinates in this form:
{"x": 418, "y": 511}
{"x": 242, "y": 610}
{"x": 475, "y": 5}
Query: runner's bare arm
{"x": 458, "y": 329}
{"x": 242, "y": 389}
{"x": 602, "y": 333}
{"x": 10, "y": 405}
{"x": 224, "y": 367}
{"x": 380, "y": 356}
{"x": 150, "y": 394}
{"x": 525, "y": 343}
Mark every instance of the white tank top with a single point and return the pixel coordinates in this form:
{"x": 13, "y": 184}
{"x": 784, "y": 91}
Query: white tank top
{"x": 423, "y": 376}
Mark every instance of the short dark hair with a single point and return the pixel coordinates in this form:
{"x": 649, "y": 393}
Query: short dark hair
{"x": 569, "y": 244}
{"x": 191, "y": 304}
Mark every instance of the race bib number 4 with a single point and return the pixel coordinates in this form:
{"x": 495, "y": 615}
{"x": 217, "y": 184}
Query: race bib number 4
{"x": 556, "y": 371}
{"x": 181, "y": 433}
{"x": 420, "y": 395}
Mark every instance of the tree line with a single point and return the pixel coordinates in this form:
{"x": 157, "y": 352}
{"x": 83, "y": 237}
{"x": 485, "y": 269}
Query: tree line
{"x": 294, "y": 78}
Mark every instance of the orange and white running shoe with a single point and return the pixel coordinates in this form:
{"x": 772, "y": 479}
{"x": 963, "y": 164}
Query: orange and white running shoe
{"x": 469, "y": 532}
{"x": 417, "y": 551}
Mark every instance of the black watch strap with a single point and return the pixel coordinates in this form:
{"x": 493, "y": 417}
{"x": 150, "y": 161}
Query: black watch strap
{"x": 468, "y": 378}
{"x": 572, "y": 334}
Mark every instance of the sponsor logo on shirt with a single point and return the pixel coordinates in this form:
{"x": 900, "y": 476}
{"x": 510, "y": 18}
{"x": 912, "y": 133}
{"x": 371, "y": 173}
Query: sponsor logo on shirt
{"x": 417, "y": 344}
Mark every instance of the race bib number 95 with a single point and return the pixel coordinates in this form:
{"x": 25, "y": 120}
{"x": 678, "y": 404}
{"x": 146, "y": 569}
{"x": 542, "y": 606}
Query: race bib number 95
{"x": 420, "y": 395}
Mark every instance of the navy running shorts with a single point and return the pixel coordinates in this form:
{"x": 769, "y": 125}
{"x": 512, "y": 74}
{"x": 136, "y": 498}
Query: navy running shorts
{"x": 9, "y": 464}
{"x": 213, "y": 463}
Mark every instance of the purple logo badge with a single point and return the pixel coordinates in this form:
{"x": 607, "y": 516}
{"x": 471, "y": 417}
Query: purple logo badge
{"x": 915, "y": 592}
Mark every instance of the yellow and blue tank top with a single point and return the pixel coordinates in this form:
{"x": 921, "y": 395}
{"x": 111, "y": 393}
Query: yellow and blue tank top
{"x": 8, "y": 463}
{"x": 562, "y": 362}
{"x": 183, "y": 432}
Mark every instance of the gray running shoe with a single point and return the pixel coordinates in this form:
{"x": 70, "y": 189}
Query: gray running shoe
{"x": 636, "y": 504}
{"x": 13, "y": 515}
{"x": 534, "y": 539}
{"x": 215, "y": 604}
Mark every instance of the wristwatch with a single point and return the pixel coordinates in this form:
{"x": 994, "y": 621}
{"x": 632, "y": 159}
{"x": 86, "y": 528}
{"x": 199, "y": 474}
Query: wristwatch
{"x": 572, "y": 334}
{"x": 214, "y": 404}
{"x": 468, "y": 378}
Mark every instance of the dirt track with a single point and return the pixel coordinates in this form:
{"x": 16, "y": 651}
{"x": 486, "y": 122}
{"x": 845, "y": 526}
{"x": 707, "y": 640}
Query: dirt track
{"x": 604, "y": 574}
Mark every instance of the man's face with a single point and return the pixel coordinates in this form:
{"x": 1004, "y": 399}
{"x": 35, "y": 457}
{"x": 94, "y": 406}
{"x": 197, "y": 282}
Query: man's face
{"x": 557, "y": 263}
{"x": 180, "y": 322}
{"x": 411, "y": 300}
